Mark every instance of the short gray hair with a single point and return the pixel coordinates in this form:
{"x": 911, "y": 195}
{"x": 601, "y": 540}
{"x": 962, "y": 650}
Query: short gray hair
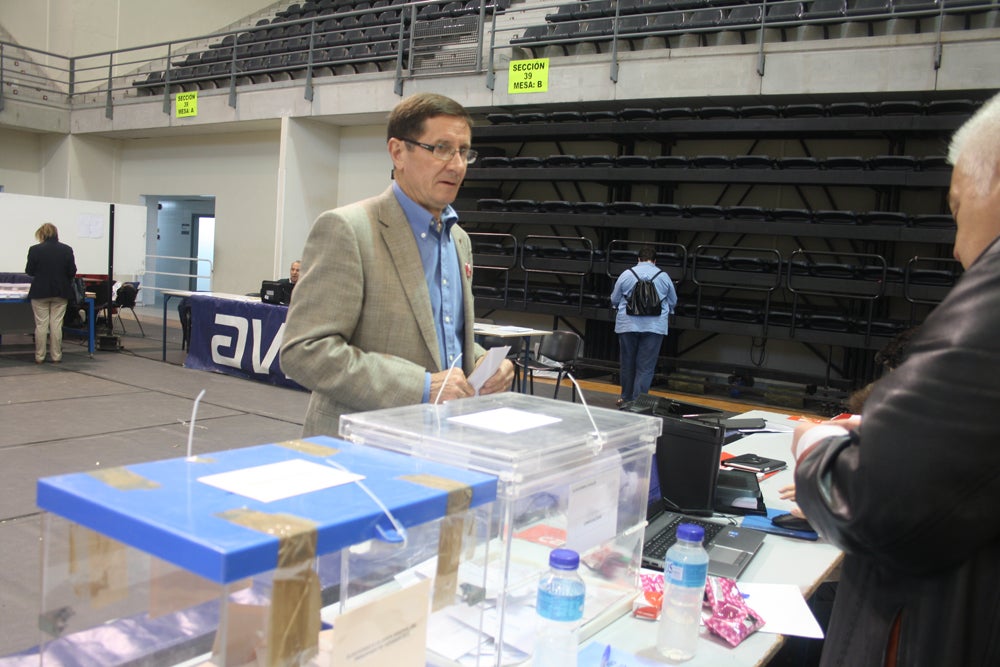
{"x": 977, "y": 145}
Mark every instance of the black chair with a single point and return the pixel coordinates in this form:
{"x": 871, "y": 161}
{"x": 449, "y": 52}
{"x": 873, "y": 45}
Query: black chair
{"x": 783, "y": 13}
{"x": 893, "y": 163}
{"x": 564, "y": 116}
{"x": 820, "y": 16}
{"x": 555, "y": 206}
{"x": 843, "y": 109}
{"x": 557, "y": 161}
{"x": 740, "y": 20}
{"x": 127, "y": 293}
{"x": 557, "y": 352}
{"x": 804, "y": 110}
{"x": 867, "y": 18}
{"x": 641, "y": 161}
{"x": 635, "y": 113}
{"x": 760, "y": 111}
{"x": 946, "y": 107}
{"x": 675, "y": 113}
{"x": 796, "y": 215}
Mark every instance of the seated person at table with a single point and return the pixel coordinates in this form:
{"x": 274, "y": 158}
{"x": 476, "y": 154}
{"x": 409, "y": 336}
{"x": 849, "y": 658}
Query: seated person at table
{"x": 293, "y": 277}
{"x": 283, "y": 293}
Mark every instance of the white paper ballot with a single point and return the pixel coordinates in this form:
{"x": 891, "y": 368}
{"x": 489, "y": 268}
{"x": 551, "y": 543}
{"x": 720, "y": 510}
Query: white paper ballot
{"x": 783, "y": 609}
{"x": 505, "y": 420}
{"x": 488, "y": 366}
{"x": 276, "y": 481}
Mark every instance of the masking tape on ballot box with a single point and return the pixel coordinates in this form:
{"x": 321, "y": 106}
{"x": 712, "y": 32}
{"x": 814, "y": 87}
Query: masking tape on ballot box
{"x": 123, "y": 479}
{"x": 293, "y": 627}
{"x": 450, "y": 541}
{"x": 98, "y": 567}
{"x": 310, "y": 448}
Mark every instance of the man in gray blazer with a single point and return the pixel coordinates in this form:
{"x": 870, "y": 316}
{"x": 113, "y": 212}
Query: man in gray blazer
{"x": 382, "y": 313}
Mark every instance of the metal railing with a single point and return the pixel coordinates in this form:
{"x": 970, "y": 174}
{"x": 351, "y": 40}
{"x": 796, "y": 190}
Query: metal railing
{"x": 197, "y": 275}
{"x": 422, "y": 39}
{"x": 410, "y": 40}
{"x": 612, "y": 26}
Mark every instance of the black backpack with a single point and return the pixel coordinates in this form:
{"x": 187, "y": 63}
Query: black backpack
{"x": 644, "y": 299}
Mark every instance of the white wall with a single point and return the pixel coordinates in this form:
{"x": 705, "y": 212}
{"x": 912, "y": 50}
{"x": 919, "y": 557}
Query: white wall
{"x": 307, "y": 185}
{"x": 367, "y": 166}
{"x": 239, "y": 170}
{"x": 84, "y": 225}
{"x": 324, "y": 166}
{"x": 20, "y": 162}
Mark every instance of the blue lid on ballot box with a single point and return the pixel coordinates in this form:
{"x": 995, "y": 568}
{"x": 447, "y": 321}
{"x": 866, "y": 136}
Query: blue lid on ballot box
{"x": 192, "y": 512}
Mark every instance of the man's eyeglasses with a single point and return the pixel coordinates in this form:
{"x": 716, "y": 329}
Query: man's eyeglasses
{"x": 444, "y": 152}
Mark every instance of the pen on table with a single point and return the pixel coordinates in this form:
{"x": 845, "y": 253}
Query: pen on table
{"x": 606, "y": 656}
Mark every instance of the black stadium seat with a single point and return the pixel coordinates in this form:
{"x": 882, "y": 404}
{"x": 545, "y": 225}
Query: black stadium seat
{"x": 627, "y": 208}
{"x": 560, "y": 161}
{"x": 885, "y": 218}
{"x": 590, "y": 207}
{"x": 633, "y": 161}
{"x": 893, "y": 162}
{"x": 555, "y": 206}
{"x": 671, "y": 161}
{"x": 522, "y": 205}
{"x": 565, "y": 116}
{"x": 491, "y": 205}
{"x": 637, "y": 114}
{"x": 665, "y": 210}
{"x": 835, "y": 217}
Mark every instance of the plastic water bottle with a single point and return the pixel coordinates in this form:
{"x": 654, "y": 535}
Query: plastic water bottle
{"x": 561, "y": 594}
{"x": 683, "y": 590}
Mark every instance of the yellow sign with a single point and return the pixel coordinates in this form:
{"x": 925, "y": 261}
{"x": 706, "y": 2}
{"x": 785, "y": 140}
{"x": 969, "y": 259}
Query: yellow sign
{"x": 528, "y": 76}
{"x": 186, "y": 104}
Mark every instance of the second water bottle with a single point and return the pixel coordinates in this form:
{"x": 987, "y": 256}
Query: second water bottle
{"x": 561, "y": 594}
{"x": 683, "y": 591}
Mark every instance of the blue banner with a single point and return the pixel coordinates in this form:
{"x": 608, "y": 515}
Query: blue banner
{"x": 240, "y": 338}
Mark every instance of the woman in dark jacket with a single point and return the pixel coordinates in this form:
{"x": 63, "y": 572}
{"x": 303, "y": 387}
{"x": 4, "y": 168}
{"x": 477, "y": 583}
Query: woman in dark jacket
{"x": 52, "y": 267}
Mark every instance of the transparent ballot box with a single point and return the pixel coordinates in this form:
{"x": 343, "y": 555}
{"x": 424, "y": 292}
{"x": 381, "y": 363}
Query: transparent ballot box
{"x": 307, "y": 552}
{"x": 566, "y": 478}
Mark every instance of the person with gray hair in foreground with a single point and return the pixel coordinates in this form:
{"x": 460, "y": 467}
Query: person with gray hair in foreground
{"x": 910, "y": 489}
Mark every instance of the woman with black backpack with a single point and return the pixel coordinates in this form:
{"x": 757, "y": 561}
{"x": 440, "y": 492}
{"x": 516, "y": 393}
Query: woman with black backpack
{"x": 643, "y": 297}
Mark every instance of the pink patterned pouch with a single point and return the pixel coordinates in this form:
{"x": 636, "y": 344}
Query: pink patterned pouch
{"x": 731, "y": 618}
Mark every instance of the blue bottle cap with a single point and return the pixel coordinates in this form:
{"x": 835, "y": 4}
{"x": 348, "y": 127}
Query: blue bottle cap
{"x": 690, "y": 532}
{"x": 564, "y": 559}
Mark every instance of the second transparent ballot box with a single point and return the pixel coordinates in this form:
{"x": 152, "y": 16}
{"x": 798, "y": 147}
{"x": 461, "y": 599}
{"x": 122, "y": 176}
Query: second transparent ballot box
{"x": 567, "y": 477}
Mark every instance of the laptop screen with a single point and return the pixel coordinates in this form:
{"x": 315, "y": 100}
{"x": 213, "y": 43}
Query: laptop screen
{"x": 654, "y": 485}
{"x": 687, "y": 464}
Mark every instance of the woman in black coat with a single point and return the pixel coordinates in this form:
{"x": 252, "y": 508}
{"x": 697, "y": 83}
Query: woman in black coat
{"x": 52, "y": 267}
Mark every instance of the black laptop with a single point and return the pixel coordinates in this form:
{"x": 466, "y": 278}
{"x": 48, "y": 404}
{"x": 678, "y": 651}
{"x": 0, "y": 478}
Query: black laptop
{"x": 275, "y": 292}
{"x": 682, "y": 488}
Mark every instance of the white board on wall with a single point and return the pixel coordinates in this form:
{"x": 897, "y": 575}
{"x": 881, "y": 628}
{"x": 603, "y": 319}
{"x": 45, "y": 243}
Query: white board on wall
{"x": 83, "y": 225}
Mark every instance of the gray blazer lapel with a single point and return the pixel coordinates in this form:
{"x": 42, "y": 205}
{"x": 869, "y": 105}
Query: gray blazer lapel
{"x": 398, "y": 237}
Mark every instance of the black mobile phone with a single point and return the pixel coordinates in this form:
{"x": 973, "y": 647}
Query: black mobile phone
{"x": 754, "y": 463}
{"x": 738, "y": 423}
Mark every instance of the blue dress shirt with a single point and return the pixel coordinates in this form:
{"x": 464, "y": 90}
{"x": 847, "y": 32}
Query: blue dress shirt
{"x": 443, "y": 275}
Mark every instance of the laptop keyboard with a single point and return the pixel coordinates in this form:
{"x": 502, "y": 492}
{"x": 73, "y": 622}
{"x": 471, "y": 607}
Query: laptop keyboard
{"x": 658, "y": 545}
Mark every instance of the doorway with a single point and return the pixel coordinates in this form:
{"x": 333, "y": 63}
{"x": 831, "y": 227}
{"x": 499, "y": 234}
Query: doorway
{"x": 181, "y": 242}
